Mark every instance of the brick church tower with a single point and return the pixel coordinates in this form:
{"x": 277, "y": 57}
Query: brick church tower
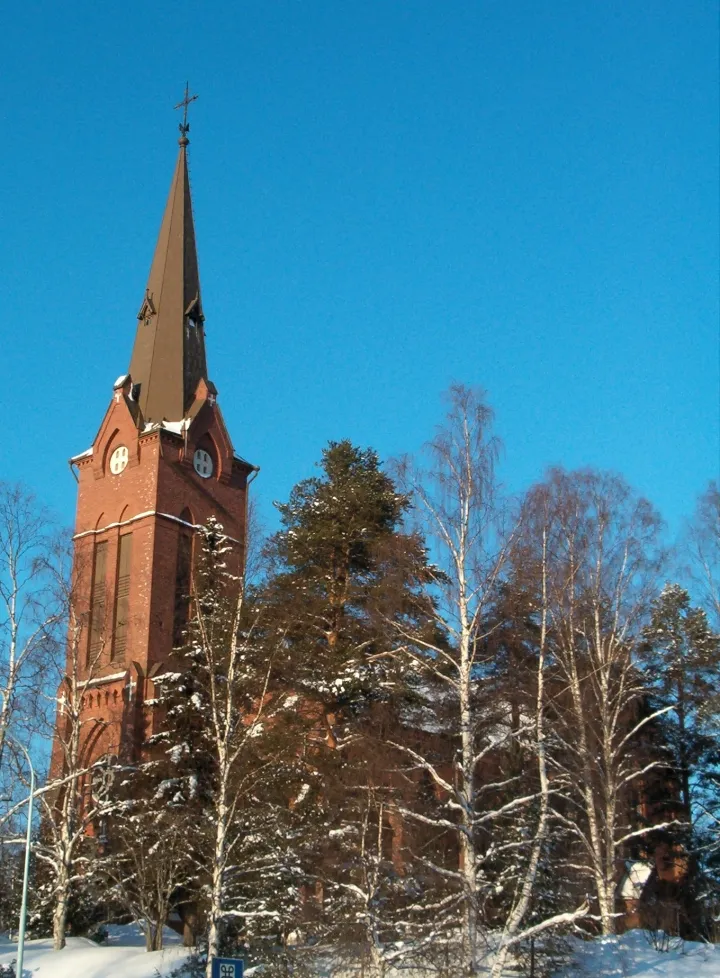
{"x": 161, "y": 463}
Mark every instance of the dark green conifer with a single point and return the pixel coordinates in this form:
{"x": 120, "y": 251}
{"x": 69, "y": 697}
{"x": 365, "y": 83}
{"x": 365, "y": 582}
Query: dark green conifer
{"x": 347, "y": 581}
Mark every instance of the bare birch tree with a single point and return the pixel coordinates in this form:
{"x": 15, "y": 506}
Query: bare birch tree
{"x": 223, "y": 738}
{"x": 233, "y": 729}
{"x": 703, "y": 547}
{"x": 599, "y": 549}
{"x": 140, "y": 871}
{"x": 494, "y": 815}
{"x": 30, "y": 613}
{"x": 515, "y": 930}
{"x": 73, "y": 799}
{"x": 34, "y": 603}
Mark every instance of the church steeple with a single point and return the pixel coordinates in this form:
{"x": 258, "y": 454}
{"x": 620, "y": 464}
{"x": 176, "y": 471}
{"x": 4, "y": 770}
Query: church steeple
{"x": 168, "y": 358}
{"x": 143, "y": 492}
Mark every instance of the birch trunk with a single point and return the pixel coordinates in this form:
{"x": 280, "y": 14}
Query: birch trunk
{"x": 230, "y": 736}
{"x": 456, "y": 502}
{"x": 67, "y": 816}
{"x": 60, "y": 920}
{"x": 216, "y": 891}
{"x": 468, "y": 853}
{"x": 517, "y": 914}
{"x": 606, "y": 556}
{"x": 67, "y": 834}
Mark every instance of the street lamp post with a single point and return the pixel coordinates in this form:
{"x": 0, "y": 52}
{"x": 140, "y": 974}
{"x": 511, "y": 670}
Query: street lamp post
{"x": 26, "y": 874}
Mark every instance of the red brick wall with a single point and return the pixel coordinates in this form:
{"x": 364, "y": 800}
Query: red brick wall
{"x": 157, "y": 484}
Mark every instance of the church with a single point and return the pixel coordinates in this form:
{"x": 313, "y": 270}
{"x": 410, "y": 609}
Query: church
{"x": 162, "y": 463}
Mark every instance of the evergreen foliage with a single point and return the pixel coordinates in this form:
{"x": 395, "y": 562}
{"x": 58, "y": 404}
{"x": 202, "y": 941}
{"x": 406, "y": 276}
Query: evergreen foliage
{"x": 223, "y": 762}
{"x": 344, "y": 575}
{"x": 681, "y": 657}
{"x": 10, "y": 885}
{"x": 342, "y": 569}
{"x": 681, "y": 662}
{"x": 371, "y": 756}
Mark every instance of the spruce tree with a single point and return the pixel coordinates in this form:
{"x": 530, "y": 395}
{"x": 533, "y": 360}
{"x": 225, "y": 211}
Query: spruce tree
{"x": 681, "y": 660}
{"x": 345, "y": 578}
{"x": 342, "y": 568}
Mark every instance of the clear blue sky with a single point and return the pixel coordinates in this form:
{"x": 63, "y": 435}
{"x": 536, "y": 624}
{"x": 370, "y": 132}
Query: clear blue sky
{"x": 388, "y": 196}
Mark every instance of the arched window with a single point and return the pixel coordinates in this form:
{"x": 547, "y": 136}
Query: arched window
{"x": 122, "y": 596}
{"x": 97, "y": 602}
{"x": 183, "y": 568}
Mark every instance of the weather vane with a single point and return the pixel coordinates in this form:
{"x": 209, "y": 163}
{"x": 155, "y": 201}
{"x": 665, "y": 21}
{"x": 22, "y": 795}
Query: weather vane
{"x": 184, "y": 126}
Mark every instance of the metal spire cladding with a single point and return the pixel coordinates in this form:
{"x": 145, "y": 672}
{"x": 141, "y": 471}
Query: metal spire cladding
{"x": 168, "y": 358}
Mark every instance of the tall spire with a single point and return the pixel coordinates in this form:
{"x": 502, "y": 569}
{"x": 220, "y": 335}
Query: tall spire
{"x": 168, "y": 358}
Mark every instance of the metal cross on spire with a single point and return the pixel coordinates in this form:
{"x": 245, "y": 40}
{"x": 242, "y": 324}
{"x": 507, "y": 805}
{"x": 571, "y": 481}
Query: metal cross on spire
{"x": 184, "y": 126}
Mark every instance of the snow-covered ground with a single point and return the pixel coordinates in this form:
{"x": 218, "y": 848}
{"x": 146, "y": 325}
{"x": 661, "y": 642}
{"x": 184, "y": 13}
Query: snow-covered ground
{"x": 631, "y": 956}
{"x": 124, "y": 956}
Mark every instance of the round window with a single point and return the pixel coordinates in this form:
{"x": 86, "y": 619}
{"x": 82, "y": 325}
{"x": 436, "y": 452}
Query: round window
{"x": 118, "y": 460}
{"x": 203, "y": 463}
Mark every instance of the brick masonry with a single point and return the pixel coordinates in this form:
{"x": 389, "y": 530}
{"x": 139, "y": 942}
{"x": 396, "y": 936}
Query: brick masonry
{"x": 155, "y": 496}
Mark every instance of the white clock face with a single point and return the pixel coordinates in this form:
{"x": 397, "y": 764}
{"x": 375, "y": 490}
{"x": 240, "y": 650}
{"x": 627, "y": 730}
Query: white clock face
{"x": 203, "y": 464}
{"x": 118, "y": 460}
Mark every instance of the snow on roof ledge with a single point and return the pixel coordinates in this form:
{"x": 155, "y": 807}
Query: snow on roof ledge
{"x": 177, "y": 427}
{"x": 107, "y": 679}
{"x": 85, "y": 454}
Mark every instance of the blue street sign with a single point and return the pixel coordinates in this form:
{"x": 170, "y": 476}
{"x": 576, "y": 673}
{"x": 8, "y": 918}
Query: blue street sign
{"x": 227, "y": 968}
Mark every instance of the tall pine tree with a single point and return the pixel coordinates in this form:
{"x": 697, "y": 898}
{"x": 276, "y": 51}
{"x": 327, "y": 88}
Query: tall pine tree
{"x": 344, "y": 575}
{"x": 681, "y": 659}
